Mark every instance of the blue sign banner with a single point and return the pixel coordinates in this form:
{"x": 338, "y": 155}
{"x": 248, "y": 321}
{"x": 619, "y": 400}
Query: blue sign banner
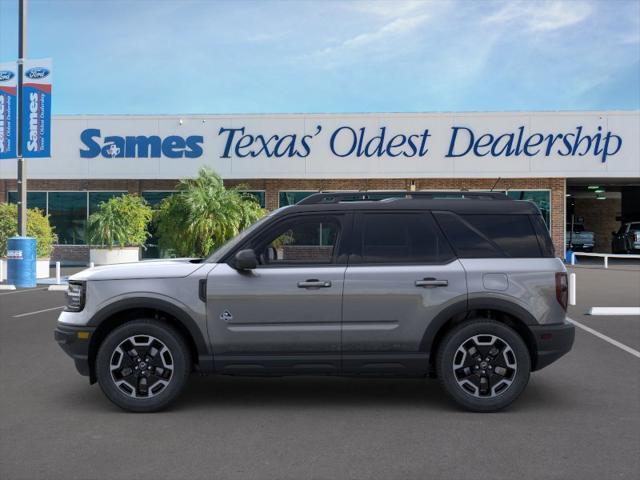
{"x": 8, "y": 102}
{"x": 36, "y": 109}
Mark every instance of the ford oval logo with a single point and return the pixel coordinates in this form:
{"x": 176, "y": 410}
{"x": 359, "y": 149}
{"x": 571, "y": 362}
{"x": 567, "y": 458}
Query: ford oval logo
{"x": 6, "y": 75}
{"x": 36, "y": 72}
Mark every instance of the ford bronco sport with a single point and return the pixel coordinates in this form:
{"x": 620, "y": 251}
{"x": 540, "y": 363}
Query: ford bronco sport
{"x": 463, "y": 287}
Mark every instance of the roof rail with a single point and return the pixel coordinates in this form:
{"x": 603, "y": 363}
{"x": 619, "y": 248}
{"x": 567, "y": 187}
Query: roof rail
{"x": 337, "y": 197}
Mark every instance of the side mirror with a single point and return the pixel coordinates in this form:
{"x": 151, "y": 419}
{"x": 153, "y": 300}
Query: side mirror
{"x": 245, "y": 260}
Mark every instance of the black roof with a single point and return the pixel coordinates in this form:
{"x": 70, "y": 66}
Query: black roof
{"x": 458, "y": 202}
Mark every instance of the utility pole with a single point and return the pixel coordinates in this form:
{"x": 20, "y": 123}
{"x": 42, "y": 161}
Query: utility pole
{"x": 22, "y": 168}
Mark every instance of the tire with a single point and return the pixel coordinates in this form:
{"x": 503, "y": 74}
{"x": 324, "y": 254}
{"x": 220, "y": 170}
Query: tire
{"x": 148, "y": 346}
{"x": 460, "y": 372}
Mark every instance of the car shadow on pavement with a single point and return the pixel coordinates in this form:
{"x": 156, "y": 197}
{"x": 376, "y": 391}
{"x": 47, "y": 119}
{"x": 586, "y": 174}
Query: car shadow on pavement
{"x": 316, "y": 392}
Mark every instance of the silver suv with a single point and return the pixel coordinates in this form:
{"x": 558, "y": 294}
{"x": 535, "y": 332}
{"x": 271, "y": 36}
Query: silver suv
{"x": 465, "y": 289}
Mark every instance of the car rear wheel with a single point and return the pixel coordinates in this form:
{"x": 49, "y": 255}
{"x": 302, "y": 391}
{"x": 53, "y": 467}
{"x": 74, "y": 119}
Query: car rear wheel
{"x": 483, "y": 365}
{"x": 143, "y": 365}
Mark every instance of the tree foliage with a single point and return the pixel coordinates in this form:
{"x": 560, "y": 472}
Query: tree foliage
{"x": 121, "y": 221}
{"x": 37, "y": 226}
{"x": 203, "y": 214}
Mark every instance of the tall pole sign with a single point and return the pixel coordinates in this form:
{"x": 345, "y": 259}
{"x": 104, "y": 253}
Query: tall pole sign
{"x": 22, "y": 173}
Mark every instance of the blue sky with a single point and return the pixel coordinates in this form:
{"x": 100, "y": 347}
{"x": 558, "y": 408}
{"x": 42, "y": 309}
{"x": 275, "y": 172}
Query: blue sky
{"x": 170, "y": 56}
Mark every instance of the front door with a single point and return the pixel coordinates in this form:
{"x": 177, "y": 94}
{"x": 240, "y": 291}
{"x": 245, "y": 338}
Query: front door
{"x": 285, "y": 315}
{"x": 402, "y": 274}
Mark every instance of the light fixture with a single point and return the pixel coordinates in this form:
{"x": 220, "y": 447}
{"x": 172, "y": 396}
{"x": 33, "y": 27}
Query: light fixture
{"x": 601, "y": 198}
{"x": 600, "y": 190}
{"x": 593, "y": 187}
{"x": 568, "y": 195}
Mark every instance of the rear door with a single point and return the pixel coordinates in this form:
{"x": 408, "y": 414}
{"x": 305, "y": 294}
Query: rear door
{"x": 401, "y": 275}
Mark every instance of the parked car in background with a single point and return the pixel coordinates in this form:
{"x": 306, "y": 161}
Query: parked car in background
{"x": 627, "y": 238}
{"x": 580, "y": 239}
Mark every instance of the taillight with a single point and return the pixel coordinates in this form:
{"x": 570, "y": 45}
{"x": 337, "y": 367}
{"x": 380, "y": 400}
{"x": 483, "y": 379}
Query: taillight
{"x": 562, "y": 289}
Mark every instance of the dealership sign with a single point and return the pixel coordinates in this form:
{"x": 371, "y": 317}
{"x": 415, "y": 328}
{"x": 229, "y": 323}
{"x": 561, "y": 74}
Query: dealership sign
{"x": 36, "y": 109}
{"x": 8, "y": 88}
{"x": 359, "y": 142}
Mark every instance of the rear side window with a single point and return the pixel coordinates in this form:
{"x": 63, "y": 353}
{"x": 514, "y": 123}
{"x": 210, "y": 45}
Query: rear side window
{"x": 402, "y": 238}
{"x": 514, "y": 234}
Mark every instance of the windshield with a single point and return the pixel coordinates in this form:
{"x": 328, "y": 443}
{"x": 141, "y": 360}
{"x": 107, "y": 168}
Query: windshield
{"x": 230, "y": 244}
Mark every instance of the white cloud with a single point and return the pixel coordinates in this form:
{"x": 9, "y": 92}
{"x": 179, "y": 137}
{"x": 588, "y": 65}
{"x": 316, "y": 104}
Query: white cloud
{"x": 399, "y": 19}
{"x": 542, "y": 16}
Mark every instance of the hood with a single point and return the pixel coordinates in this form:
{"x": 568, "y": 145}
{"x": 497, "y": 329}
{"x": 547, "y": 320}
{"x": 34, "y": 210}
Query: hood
{"x": 173, "y": 268}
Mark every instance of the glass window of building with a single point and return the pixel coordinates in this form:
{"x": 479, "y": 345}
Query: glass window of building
{"x": 34, "y": 199}
{"x": 68, "y": 215}
{"x": 291, "y": 198}
{"x": 96, "y": 198}
{"x": 257, "y": 194}
{"x": 542, "y": 198}
{"x": 154, "y": 198}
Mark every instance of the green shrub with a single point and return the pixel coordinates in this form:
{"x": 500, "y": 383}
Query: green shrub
{"x": 37, "y": 226}
{"x": 120, "y": 222}
{"x": 203, "y": 214}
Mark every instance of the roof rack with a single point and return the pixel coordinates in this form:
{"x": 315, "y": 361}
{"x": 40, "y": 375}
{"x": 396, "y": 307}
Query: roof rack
{"x": 337, "y": 197}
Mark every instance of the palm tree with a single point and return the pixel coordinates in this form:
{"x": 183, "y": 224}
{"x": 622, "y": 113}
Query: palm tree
{"x": 203, "y": 214}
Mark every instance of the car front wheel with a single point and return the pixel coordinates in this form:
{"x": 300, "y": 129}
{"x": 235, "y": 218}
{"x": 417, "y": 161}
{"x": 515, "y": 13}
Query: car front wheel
{"x": 484, "y": 365}
{"x": 143, "y": 365}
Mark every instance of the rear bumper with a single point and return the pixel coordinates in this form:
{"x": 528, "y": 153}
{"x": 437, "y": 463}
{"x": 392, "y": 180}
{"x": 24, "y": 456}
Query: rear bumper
{"x": 552, "y": 342}
{"x": 74, "y": 340}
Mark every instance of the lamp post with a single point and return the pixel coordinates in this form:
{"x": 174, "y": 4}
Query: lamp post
{"x": 22, "y": 168}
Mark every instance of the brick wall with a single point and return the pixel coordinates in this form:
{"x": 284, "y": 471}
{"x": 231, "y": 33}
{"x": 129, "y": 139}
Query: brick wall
{"x": 600, "y": 218}
{"x": 273, "y": 186}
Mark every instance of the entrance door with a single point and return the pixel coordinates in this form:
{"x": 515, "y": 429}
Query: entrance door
{"x": 403, "y": 275}
{"x": 285, "y": 315}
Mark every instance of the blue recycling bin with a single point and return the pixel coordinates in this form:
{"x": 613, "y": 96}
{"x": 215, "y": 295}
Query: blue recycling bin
{"x": 21, "y": 262}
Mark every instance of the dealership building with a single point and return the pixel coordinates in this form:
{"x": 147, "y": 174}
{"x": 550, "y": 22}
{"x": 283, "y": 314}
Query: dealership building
{"x": 580, "y": 164}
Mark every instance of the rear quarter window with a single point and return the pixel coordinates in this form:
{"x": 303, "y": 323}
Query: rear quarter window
{"x": 514, "y": 234}
{"x": 490, "y": 235}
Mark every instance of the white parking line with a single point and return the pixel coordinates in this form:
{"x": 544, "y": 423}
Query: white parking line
{"x": 39, "y": 311}
{"x": 614, "y": 311}
{"x": 23, "y": 291}
{"x": 602, "y": 336}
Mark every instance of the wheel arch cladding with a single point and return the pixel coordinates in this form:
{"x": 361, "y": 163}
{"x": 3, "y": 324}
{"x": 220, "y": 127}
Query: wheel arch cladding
{"x": 503, "y": 311}
{"x": 124, "y": 311}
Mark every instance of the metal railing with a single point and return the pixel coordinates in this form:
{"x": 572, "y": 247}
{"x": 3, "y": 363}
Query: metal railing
{"x": 605, "y": 256}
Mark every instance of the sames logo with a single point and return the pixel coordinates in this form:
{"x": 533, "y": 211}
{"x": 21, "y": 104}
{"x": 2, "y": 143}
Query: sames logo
{"x": 6, "y": 75}
{"x": 37, "y": 73}
{"x": 140, "y": 146}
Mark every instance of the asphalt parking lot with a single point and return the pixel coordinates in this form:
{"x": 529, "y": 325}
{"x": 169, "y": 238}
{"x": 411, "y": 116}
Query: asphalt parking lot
{"x": 578, "y": 418}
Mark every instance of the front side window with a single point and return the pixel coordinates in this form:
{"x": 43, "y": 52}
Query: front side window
{"x": 402, "y": 238}
{"x": 300, "y": 242}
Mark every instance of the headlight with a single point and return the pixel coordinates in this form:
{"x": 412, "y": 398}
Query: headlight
{"x": 75, "y": 296}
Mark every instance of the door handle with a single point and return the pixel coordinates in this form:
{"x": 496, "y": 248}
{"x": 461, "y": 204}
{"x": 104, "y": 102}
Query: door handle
{"x": 314, "y": 283}
{"x": 431, "y": 283}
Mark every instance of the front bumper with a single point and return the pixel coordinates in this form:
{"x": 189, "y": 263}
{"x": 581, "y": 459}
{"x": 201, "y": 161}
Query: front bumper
{"x": 552, "y": 342}
{"x": 74, "y": 340}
